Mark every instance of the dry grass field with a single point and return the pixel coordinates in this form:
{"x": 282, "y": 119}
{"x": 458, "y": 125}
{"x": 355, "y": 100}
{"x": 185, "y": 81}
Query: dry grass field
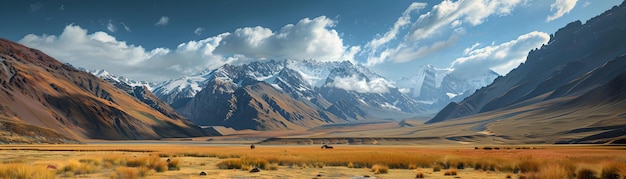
{"x": 309, "y": 161}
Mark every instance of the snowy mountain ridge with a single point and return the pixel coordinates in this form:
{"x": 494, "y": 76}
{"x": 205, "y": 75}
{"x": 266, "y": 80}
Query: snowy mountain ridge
{"x": 438, "y": 87}
{"x": 105, "y": 75}
{"x": 313, "y": 72}
{"x": 324, "y": 91}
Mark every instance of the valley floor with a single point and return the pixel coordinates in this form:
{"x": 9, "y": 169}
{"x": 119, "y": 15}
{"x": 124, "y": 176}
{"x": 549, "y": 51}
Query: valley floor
{"x": 149, "y": 160}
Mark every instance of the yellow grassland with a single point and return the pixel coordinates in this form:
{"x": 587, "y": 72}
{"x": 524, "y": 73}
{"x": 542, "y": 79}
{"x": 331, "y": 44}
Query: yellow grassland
{"x": 149, "y": 160}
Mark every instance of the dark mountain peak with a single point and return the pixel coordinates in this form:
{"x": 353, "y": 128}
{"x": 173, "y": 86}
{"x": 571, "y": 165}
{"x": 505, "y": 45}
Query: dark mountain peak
{"x": 573, "y": 51}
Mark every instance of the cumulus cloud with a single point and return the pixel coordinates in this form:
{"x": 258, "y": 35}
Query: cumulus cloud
{"x": 194, "y": 56}
{"x": 100, "y": 50}
{"x": 444, "y": 19}
{"x": 307, "y": 39}
{"x": 354, "y": 83}
{"x": 500, "y": 58}
{"x": 198, "y": 31}
{"x": 163, "y": 21}
{"x": 560, "y": 8}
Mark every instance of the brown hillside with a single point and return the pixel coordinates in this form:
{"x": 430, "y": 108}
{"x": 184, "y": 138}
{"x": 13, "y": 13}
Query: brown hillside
{"x": 256, "y": 106}
{"x": 38, "y": 90}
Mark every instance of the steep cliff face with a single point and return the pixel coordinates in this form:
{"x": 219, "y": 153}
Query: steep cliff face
{"x": 572, "y": 51}
{"x": 40, "y": 91}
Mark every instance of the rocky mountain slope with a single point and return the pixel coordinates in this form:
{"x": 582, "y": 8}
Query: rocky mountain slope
{"x": 139, "y": 90}
{"x": 572, "y": 51}
{"x": 571, "y": 90}
{"x": 286, "y": 94}
{"x": 105, "y": 75}
{"x": 40, "y": 91}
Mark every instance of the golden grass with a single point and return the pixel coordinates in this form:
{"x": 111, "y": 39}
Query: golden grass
{"x": 273, "y": 166}
{"x": 535, "y": 163}
{"x": 379, "y": 169}
{"x": 123, "y": 166}
{"x": 144, "y": 171}
{"x": 554, "y": 171}
{"x": 74, "y": 167}
{"x": 243, "y": 163}
{"x": 528, "y": 164}
{"x": 153, "y": 162}
{"x": 451, "y": 172}
{"x": 556, "y": 162}
{"x": 436, "y": 168}
{"x": 230, "y": 164}
{"x": 127, "y": 172}
{"x": 613, "y": 170}
{"x": 25, "y": 171}
{"x": 173, "y": 164}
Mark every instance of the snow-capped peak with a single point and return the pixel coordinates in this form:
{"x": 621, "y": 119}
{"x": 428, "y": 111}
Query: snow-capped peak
{"x": 431, "y": 75}
{"x": 440, "y": 86}
{"x": 313, "y": 73}
{"x": 190, "y": 84}
{"x": 103, "y": 74}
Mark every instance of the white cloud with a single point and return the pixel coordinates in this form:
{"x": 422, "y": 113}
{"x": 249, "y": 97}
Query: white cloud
{"x": 199, "y": 55}
{"x": 198, "y": 31}
{"x": 456, "y": 23}
{"x": 500, "y": 58}
{"x": 448, "y": 12}
{"x": 125, "y": 27}
{"x": 402, "y": 21}
{"x": 100, "y": 50}
{"x": 307, "y": 39}
{"x": 587, "y": 3}
{"x": 561, "y": 7}
{"x": 354, "y": 83}
{"x": 470, "y": 49}
{"x": 444, "y": 19}
{"x": 111, "y": 27}
{"x": 163, "y": 21}
{"x": 408, "y": 53}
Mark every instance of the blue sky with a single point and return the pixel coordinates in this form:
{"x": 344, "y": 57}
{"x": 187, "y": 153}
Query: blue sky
{"x": 160, "y": 40}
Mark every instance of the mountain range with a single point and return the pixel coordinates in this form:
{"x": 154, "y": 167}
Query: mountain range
{"x": 283, "y": 94}
{"x": 291, "y": 94}
{"x": 438, "y": 87}
{"x": 39, "y": 92}
{"x": 573, "y": 85}
{"x": 571, "y": 90}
